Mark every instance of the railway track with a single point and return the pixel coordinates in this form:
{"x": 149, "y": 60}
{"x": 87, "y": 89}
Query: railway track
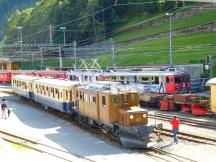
{"x": 164, "y": 156}
{"x": 186, "y": 121}
{"x": 43, "y": 148}
{"x": 189, "y": 137}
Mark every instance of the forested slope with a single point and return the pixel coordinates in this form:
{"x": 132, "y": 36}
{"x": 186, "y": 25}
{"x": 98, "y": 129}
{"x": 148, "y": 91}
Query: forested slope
{"x": 7, "y": 7}
{"x": 77, "y": 17}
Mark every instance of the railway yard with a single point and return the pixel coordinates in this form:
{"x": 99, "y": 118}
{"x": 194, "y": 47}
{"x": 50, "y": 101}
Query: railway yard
{"x": 108, "y": 81}
{"x": 49, "y": 136}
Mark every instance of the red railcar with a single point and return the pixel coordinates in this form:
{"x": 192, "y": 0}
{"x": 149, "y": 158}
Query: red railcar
{"x": 6, "y": 75}
{"x": 51, "y": 74}
{"x": 147, "y": 81}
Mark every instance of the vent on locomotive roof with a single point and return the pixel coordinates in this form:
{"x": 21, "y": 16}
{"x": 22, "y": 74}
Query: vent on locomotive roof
{"x": 100, "y": 87}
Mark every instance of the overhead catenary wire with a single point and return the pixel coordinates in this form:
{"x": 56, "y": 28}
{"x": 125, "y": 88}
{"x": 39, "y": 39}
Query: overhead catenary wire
{"x": 107, "y": 34}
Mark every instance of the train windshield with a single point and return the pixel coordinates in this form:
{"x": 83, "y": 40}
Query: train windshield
{"x": 181, "y": 79}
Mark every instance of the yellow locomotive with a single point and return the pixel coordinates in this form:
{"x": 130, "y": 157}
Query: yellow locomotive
{"x": 109, "y": 105}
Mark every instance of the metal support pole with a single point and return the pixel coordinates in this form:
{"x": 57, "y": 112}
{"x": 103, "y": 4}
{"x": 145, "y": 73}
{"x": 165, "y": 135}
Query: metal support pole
{"x": 50, "y": 27}
{"x": 32, "y": 61}
{"x": 75, "y": 55}
{"x": 21, "y": 45}
{"x": 21, "y": 48}
{"x": 171, "y": 59}
{"x": 64, "y": 36}
{"x": 63, "y": 29}
{"x": 113, "y": 54}
{"x": 41, "y": 52}
{"x": 60, "y": 59}
{"x": 170, "y": 20}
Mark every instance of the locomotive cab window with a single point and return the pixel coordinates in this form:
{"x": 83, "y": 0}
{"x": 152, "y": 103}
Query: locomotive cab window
{"x": 115, "y": 99}
{"x": 134, "y": 97}
{"x": 126, "y": 99}
{"x": 103, "y": 101}
{"x": 177, "y": 80}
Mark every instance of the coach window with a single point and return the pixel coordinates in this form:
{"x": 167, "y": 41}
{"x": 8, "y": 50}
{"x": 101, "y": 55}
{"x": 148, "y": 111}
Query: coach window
{"x": 94, "y": 99}
{"x": 48, "y": 91}
{"x": 156, "y": 80}
{"x": 41, "y": 90}
{"x": 145, "y": 79}
{"x": 61, "y": 94}
{"x": 103, "y": 101}
{"x": 57, "y": 93}
{"x": 81, "y": 95}
{"x": 66, "y": 95}
{"x": 52, "y": 92}
{"x": 77, "y": 94}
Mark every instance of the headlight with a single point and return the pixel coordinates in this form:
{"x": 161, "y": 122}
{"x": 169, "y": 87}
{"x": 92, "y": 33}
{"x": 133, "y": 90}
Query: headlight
{"x": 131, "y": 117}
{"x": 144, "y": 115}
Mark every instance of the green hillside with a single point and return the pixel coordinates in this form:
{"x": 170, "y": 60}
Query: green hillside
{"x": 199, "y": 19}
{"x": 146, "y": 24}
{"x": 188, "y": 48}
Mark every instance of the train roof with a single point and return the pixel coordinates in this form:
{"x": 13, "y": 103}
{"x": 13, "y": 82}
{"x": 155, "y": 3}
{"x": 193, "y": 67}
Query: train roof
{"x": 56, "y": 82}
{"x": 124, "y": 73}
{"x": 108, "y": 87}
{"x": 25, "y": 77}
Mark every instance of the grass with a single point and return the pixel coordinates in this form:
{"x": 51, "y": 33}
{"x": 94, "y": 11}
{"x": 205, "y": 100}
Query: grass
{"x": 186, "y": 48}
{"x": 177, "y": 24}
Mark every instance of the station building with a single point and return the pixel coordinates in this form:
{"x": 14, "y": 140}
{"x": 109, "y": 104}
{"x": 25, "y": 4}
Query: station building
{"x": 6, "y": 64}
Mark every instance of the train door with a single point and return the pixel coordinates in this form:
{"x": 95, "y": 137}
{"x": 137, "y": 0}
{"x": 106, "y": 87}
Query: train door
{"x": 170, "y": 84}
{"x": 31, "y": 93}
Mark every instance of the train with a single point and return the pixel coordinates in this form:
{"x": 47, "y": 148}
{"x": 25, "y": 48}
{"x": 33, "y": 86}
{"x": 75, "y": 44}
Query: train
{"x": 108, "y": 105}
{"x": 166, "y": 82}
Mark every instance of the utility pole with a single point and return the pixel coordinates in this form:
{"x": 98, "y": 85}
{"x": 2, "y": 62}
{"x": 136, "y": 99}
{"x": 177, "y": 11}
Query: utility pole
{"x": 63, "y": 29}
{"x": 50, "y": 28}
{"x": 21, "y": 45}
{"x": 170, "y": 20}
{"x": 41, "y": 53}
{"x": 60, "y": 59}
{"x": 32, "y": 60}
{"x": 75, "y": 55}
{"x": 113, "y": 54}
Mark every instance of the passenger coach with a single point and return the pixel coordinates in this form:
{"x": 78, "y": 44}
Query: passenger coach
{"x": 58, "y": 94}
{"x": 23, "y": 85}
